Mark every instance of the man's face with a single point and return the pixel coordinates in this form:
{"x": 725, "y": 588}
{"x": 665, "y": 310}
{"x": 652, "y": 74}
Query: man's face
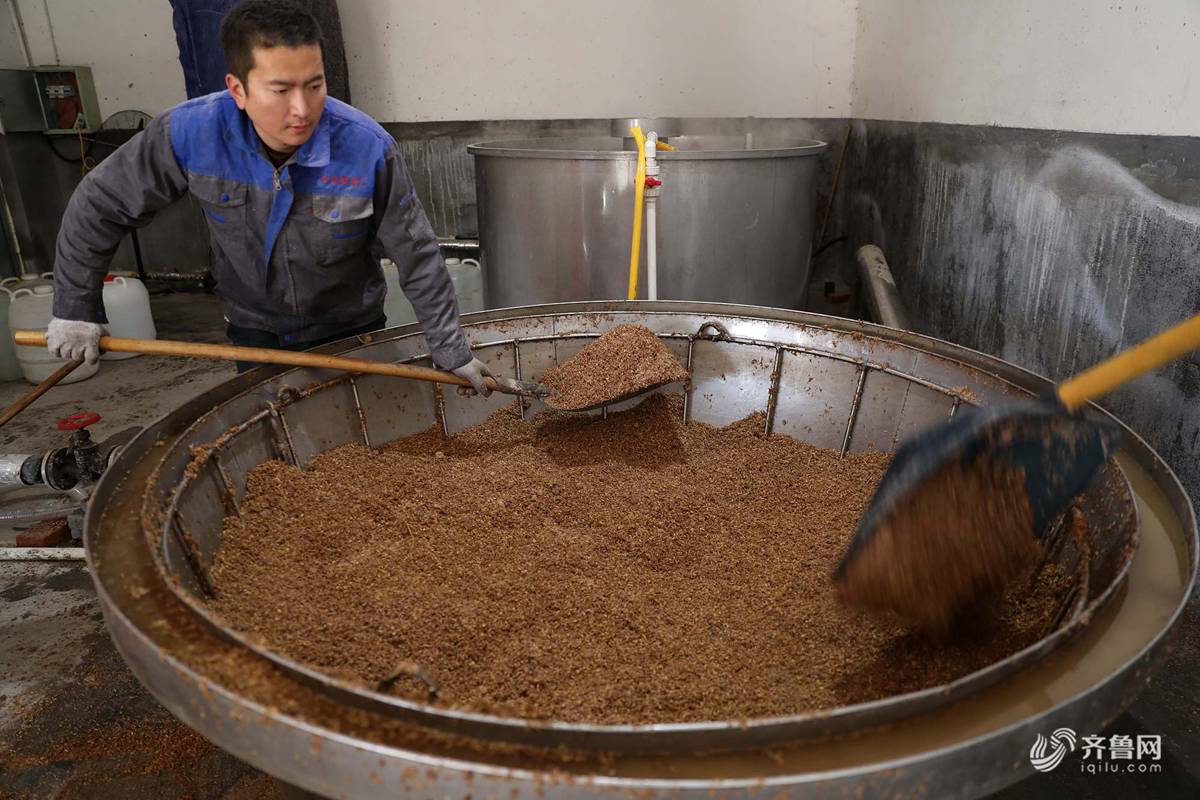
{"x": 284, "y": 94}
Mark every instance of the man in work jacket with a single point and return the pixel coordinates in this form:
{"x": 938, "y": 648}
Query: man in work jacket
{"x": 302, "y": 195}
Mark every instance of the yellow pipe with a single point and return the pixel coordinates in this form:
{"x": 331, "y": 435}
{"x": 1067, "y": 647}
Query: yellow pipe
{"x": 639, "y": 194}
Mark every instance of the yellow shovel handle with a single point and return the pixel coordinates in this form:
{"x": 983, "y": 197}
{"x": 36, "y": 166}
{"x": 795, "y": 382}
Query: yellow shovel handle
{"x": 1124, "y": 367}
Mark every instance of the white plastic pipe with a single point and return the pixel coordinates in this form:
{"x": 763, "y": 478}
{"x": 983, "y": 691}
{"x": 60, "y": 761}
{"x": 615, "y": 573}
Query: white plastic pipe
{"x": 652, "y": 217}
{"x": 883, "y": 297}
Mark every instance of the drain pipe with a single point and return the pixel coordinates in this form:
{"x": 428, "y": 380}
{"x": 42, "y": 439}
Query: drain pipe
{"x": 883, "y": 298}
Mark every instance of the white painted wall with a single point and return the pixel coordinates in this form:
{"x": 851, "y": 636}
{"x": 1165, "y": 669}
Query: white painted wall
{"x": 129, "y": 44}
{"x": 481, "y": 59}
{"x": 12, "y": 55}
{"x": 1071, "y": 64}
{"x": 1117, "y": 67}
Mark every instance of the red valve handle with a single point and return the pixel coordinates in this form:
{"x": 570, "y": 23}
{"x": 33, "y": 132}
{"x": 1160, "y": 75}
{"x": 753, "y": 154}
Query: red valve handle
{"x": 80, "y": 419}
{"x": 652, "y": 182}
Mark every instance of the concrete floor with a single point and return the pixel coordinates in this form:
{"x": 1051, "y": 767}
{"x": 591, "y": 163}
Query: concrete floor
{"x": 74, "y": 723}
{"x": 131, "y": 391}
{"x": 128, "y": 392}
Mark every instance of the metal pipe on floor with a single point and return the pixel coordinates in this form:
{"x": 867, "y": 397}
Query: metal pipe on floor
{"x": 883, "y": 298}
{"x": 42, "y": 554}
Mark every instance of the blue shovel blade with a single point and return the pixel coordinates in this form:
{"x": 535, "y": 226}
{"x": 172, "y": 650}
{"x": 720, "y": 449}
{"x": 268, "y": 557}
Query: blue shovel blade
{"x": 1060, "y": 453}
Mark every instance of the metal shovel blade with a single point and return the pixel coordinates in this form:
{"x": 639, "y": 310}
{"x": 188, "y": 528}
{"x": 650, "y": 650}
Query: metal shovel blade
{"x": 612, "y": 401}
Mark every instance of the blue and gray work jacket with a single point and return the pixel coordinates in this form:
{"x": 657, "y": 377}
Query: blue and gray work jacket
{"x": 295, "y": 249}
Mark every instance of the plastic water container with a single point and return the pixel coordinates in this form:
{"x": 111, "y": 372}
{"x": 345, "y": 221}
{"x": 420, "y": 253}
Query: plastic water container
{"x": 10, "y": 370}
{"x": 28, "y": 281}
{"x": 397, "y": 308}
{"x": 467, "y": 277}
{"x": 32, "y": 310}
{"x": 127, "y": 306}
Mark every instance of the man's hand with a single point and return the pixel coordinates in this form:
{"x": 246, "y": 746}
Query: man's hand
{"x": 74, "y": 339}
{"x": 475, "y": 371}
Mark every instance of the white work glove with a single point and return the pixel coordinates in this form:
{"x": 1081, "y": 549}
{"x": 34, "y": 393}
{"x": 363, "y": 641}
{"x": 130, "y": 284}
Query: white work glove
{"x": 475, "y": 371}
{"x": 74, "y": 339}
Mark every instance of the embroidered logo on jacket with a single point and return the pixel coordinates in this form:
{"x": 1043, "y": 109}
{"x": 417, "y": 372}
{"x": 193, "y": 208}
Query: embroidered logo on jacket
{"x": 342, "y": 180}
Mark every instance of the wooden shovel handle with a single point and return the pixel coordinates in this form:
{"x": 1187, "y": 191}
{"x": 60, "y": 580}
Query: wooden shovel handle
{"x": 1124, "y": 367}
{"x": 37, "y": 391}
{"x": 264, "y": 355}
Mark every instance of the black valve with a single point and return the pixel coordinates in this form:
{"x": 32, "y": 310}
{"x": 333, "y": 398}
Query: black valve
{"x": 65, "y": 467}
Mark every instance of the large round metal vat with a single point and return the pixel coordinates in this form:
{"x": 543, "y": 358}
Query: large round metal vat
{"x": 734, "y": 224}
{"x": 155, "y": 524}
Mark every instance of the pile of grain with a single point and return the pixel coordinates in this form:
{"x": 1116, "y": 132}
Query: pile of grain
{"x": 621, "y": 570}
{"x": 623, "y": 361}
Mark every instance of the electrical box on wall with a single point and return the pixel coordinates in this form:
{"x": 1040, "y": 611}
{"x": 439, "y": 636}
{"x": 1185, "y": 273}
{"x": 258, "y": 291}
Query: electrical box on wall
{"x": 49, "y": 99}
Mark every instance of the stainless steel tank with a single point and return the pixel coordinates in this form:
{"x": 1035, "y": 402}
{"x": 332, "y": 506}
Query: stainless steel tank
{"x": 155, "y": 524}
{"x": 735, "y": 223}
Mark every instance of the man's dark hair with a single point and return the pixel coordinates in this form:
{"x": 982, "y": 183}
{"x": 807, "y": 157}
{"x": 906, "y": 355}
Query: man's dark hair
{"x": 265, "y": 23}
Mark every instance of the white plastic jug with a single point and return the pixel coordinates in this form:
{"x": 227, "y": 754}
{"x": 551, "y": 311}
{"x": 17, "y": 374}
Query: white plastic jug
{"x": 127, "y": 306}
{"x": 467, "y": 277}
{"x": 31, "y": 310}
{"x": 28, "y": 281}
{"x": 396, "y": 306}
{"x": 10, "y": 370}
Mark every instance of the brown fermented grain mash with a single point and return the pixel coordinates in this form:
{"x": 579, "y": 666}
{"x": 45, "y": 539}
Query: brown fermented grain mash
{"x": 621, "y": 362}
{"x": 619, "y": 570}
{"x": 955, "y": 543}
